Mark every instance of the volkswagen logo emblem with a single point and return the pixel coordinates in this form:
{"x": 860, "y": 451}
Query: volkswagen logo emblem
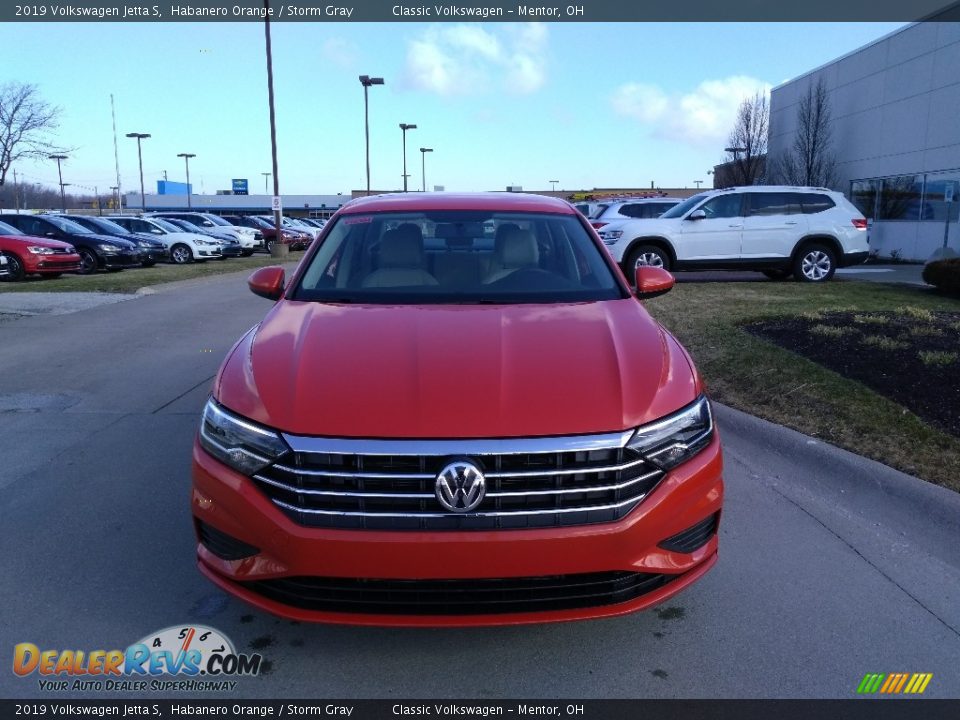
{"x": 460, "y": 486}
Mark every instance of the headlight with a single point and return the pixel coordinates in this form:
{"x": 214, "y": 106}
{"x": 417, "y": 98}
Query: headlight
{"x": 108, "y": 249}
{"x": 676, "y": 438}
{"x": 611, "y": 236}
{"x": 239, "y": 443}
{"x": 37, "y": 250}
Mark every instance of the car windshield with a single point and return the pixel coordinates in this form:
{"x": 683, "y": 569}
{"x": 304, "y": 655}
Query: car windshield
{"x": 457, "y": 257}
{"x": 216, "y": 220}
{"x": 260, "y": 222}
{"x": 680, "y": 209}
{"x": 8, "y": 229}
{"x": 166, "y": 225}
{"x": 68, "y": 225}
{"x": 107, "y": 225}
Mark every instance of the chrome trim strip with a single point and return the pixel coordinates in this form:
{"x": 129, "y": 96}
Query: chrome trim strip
{"x": 552, "y": 511}
{"x": 344, "y": 493}
{"x": 585, "y": 470}
{"x": 491, "y": 446}
{"x": 361, "y": 475}
{"x": 569, "y": 491}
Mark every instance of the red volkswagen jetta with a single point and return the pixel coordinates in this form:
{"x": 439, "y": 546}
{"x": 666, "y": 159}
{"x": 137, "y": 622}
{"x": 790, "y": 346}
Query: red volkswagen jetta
{"x": 457, "y": 413}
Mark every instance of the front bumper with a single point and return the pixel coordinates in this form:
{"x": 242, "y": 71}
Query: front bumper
{"x": 121, "y": 260}
{"x": 231, "y": 251}
{"x": 232, "y": 504}
{"x": 854, "y": 258}
{"x": 154, "y": 255}
{"x": 44, "y": 264}
{"x": 206, "y": 251}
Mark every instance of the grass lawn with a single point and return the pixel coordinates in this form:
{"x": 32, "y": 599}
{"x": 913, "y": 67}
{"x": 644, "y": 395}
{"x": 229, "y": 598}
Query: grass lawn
{"x": 759, "y": 377}
{"x": 129, "y": 281}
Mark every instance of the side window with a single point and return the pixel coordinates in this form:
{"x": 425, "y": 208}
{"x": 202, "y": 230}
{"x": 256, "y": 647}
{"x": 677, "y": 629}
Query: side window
{"x": 815, "y": 203}
{"x": 722, "y": 206}
{"x": 658, "y": 209}
{"x": 634, "y": 210}
{"x": 774, "y": 204}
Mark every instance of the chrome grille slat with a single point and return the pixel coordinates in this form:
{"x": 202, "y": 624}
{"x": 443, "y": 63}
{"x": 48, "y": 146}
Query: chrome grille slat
{"x": 389, "y": 485}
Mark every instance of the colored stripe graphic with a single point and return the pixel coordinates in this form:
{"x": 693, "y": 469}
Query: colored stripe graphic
{"x": 894, "y": 683}
{"x": 870, "y": 683}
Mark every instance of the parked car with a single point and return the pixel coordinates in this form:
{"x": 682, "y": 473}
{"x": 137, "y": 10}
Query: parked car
{"x": 96, "y": 250}
{"x": 806, "y": 232}
{"x": 295, "y": 239}
{"x": 250, "y": 239}
{"x": 307, "y": 234}
{"x": 151, "y": 251}
{"x": 229, "y": 244}
{"x": 184, "y": 247}
{"x": 630, "y": 208}
{"x": 22, "y": 255}
{"x": 314, "y": 222}
{"x": 391, "y": 444}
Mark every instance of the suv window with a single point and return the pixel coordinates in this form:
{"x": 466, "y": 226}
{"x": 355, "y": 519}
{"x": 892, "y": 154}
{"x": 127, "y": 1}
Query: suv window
{"x": 774, "y": 203}
{"x": 722, "y": 206}
{"x": 815, "y": 203}
{"x": 634, "y": 210}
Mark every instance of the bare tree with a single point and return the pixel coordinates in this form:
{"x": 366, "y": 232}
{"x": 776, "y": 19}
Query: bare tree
{"x": 26, "y": 122}
{"x": 749, "y": 137}
{"x": 811, "y": 160}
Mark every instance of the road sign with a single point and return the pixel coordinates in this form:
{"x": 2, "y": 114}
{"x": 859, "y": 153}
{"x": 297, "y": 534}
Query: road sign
{"x": 276, "y": 205}
{"x": 241, "y": 187}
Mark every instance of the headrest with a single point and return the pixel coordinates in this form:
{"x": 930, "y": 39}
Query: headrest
{"x": 518, "y": 248}
{"x": 402, "y": 247}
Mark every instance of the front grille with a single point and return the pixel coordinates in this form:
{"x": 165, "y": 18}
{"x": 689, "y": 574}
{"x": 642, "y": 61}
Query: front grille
{"x": 551, "y": 482}
{"x": 693, "y": 538}
{"x": 459, "y": 597}
{"x": 60, "y": 264}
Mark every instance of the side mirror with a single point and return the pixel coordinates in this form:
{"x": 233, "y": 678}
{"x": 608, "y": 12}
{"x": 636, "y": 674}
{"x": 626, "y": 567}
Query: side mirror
{"x": 697, "y": 215}
{"x": 651, "y": 281}
{"x": 267, "y": 282}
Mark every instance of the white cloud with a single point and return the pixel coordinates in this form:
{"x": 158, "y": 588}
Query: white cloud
{"x": 468, "y": 59}
{"x": 340, "y": 52}
{"x": 703, "y": 116}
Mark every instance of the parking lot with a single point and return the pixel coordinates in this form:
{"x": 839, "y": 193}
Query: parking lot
{"x": 831, "y": 566}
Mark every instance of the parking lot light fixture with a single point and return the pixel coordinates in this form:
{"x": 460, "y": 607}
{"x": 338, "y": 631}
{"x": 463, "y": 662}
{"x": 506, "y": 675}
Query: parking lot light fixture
{"x": 143, "y": 196}
{"x": 186, "y": 159}
{"x": 423, "y": 165}
{"x": 63, "y": 197}
{"x": 367, "y": 81}
{"x": 266, "y": 179}
{"x": 405, "y": 127}
{"x": 553, "y": 183}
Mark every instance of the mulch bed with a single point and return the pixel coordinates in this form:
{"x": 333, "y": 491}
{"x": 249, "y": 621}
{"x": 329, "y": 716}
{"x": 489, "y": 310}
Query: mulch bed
{"x": 883, "y": 350}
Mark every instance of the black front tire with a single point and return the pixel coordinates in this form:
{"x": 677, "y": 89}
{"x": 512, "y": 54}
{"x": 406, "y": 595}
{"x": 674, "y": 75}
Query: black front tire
{"x": 181, "y": 254}
{"x": 15, "y": 271}
{"x": 89, "y": 262}
{"x": 268, "y": 246}
{"x": 814, "y": 263}
{"x": 649, "y": 255}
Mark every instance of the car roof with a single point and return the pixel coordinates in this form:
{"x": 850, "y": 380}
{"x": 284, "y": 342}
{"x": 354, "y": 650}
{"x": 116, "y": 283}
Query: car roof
{"x": 775, "y": 188}
{"x": 416, "y": 201}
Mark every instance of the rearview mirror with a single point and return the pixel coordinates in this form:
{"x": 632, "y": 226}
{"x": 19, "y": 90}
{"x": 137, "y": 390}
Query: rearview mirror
{"x": 267, "y": 282}
{"x": 697, "y": 215}
{"x": 652, "y": 281}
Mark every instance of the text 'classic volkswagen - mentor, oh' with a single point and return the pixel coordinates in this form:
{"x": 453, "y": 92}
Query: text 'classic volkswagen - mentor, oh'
{"x": 456, "y": 413}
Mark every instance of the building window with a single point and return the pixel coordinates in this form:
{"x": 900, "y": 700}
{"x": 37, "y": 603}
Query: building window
{"x": 901, "y": 198}
{"x": 934, "y": 204}
{"x": 863, "y": 194}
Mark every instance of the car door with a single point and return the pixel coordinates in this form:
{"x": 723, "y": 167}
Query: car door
{"x": 774, "y": 222}
{"x": 716, "y": 236}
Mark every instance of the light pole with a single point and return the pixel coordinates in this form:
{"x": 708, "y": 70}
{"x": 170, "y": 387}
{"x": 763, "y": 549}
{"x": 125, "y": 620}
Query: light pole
{"x": 139, "y": 137}
{"x": 423, "y": 165}
{"x": 698, "y": 183}
{"x": 278, "y": 250}
{"x": 405, "y": 127}
{"x": 367, "y": 81}
{"x": 63, "y": 197}
{"x": 554, "y": 185}
{"x": 186, "y": 159}
{"x": 266, "y": 177}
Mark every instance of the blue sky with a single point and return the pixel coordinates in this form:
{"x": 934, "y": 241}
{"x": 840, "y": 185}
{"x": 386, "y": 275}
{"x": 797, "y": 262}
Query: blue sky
{"x": 590, "y": 105}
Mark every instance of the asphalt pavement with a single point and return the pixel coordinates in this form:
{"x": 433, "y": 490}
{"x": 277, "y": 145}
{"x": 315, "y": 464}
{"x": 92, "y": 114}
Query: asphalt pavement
{"x": 831, "y": 566}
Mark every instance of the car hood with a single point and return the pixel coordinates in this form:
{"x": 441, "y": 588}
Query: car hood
{"x": 108, "y": 239}
{"x": 456, "y": 371}
{"x": 11, "y": 240}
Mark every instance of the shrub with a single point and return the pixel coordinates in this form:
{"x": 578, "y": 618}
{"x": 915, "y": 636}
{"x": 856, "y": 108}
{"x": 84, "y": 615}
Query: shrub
{"x": 884, "y": 343}
{"x": 937, "y": 357}
{"x": 944, "y": 275}
{"x": 831, "y": 331}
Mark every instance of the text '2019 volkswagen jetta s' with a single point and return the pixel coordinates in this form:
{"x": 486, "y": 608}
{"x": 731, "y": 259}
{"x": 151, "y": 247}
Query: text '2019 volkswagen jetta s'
{"x": 456, "y": 413}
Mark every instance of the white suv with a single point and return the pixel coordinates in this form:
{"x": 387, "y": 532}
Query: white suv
{"x": 643, "y": 208}
{"x": 806, "y": 232}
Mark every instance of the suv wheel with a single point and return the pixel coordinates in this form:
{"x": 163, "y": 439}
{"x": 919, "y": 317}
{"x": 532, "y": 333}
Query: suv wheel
{"x": 814, "y": 263}
{"x": 649, "y": 255}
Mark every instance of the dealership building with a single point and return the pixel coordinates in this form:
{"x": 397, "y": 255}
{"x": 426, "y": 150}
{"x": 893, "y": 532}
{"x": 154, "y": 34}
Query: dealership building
{"x": 895, "y": 108}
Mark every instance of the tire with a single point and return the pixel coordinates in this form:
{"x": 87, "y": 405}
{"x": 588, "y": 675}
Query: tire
{"x": 814, "y": 262}
{"x": 88, "y": 262}
{"x": 181, "y": 254}
{"x": 268, "y": 246}
{"x": 246, "y": 253}
{"x": 649, "y": 255}
{"x": 777, "y": 274}
{"x": 15, "y": 271}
